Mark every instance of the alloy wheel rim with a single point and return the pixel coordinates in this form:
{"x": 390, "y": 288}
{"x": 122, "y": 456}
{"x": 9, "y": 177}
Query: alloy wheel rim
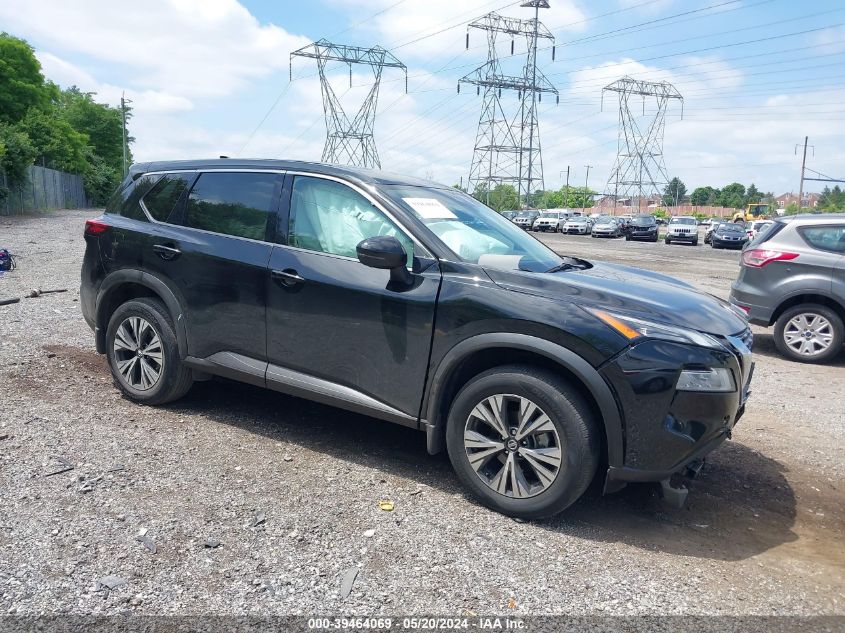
{"x": 808, "y": 334}
{"x": 513, "y": 446}
{"x": 138, "y": 353}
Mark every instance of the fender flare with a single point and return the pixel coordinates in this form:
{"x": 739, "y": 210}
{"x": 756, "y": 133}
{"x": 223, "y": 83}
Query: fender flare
{"x": 117, "y": 278}
{"x": 572, "y": 362}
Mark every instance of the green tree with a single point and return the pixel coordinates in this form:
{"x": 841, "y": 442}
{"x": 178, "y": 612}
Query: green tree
{"x": 21, "y": 81}
{"x": 102, "y": 124}
{"x": 704, "y": 196}
{"x": 553, "y": 199}
{"x": 59, "y": 146}
{"x": 581, "y": 197}
{"x": 504, "y": 198}
{"x": 732, "y": 196}
{"x": 674, "y": 192}
{"x": 753, "y": 195}
{"x": 18, "y": 153}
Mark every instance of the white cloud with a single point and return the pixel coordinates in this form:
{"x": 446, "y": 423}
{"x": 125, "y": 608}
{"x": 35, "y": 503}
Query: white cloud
{"x": 194, "y": 48}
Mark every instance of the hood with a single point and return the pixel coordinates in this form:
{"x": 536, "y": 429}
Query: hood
{"x": 632, "y": 291}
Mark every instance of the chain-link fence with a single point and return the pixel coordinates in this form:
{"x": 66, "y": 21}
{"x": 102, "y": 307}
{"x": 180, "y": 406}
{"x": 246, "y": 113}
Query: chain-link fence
{"x": 44, "y": 190}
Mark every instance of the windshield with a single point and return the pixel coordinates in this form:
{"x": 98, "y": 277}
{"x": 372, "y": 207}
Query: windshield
{"x": 731, "y": 227}
{"x": 604, "y": 219}
{"x": 643, "y": 220}
{"x": 683, "y": 221}
{"x": 473, "y": 231}
{"x": 577, "y": 220}
{"x": 549, "y": 214}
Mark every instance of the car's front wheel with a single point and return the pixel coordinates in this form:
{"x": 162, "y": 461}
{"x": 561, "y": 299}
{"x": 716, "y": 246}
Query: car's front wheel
{"x": 523, "y": 441}
{"x": 809, "y": 333}
{"x": 143, "y": 353}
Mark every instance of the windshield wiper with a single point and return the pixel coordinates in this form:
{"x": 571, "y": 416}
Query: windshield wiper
{"x": 569, "y": 263}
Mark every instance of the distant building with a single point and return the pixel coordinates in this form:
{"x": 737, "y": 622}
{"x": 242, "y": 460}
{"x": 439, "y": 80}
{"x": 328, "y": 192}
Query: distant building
{"x": 810, "y": 201}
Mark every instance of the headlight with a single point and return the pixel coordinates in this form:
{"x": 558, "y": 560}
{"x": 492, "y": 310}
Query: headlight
{"x": 633, "y": 328}
{"x": 715, "y": 380}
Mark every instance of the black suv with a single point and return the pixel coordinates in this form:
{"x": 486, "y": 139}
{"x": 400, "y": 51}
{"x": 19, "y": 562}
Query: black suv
{"x": 414, "y": 303}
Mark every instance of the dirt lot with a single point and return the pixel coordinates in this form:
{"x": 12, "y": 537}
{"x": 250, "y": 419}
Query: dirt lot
{"x": 290, "y": 490}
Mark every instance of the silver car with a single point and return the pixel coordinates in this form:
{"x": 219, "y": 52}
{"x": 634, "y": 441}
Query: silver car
{"x": 792, "y": 276}
{"x": 682, "y": 228}
{"x": 606, "y": 226}
{"x": 578, "y": 225}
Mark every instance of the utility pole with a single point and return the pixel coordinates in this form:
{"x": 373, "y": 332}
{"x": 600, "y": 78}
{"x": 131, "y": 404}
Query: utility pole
{"x": 566, "y": 201}
{"x": 803, "y": 169}
{"x": 586, "y": 189}
{"x": 123, "y": 102}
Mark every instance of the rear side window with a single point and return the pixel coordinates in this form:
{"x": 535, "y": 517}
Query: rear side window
{"x": 162, "y": 199}
{"x": 237, "y": 204}
{"x": 126, "y": 200}
{"x": 825, "y": 238}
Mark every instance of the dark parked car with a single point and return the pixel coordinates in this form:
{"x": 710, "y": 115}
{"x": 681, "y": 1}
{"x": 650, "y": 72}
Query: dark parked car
{"x": 793, "y": 277}
{"x": 708, "y": 233}
{"x": 525, "y": 219}
{"x": 642, "y": 227}
{"x": 414, "y": 303}
{"x": 729, "y": 235}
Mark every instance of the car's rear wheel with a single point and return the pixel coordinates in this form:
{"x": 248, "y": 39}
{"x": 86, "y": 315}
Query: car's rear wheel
{"x": 809, "y": 333}
{"x": 523, "y": 441}
{"x": 143, "y": 353}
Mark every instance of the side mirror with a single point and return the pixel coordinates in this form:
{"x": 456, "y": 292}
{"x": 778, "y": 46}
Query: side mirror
{"x": 385, "y": 252}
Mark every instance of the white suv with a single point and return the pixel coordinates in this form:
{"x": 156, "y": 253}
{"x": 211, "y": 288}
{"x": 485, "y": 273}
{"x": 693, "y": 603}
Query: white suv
{"x": 683, "y": 228}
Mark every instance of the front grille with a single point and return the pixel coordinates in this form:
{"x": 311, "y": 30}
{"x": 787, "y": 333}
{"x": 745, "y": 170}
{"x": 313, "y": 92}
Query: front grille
{"x": 747, "y": 337}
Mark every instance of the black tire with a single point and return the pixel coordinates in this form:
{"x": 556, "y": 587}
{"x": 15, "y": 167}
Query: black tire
{"x": 572, "y": 419}
{"x": 668, "y": 241}
{"x": 656, "y": 239}
{"x": 837, "y": 327}
{"x": 695, "y": 242}
{"x": 627, "y": 238}
{"x": 175, "y": 379}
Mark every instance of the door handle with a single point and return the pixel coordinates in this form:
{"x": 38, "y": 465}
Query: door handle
{"x": 288, "y": 276}
{"x": 167, "y": 253}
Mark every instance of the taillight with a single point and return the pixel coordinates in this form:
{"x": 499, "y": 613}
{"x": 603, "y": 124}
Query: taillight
{"x": 759, "y": 257}
{"x": 95, "y": 227}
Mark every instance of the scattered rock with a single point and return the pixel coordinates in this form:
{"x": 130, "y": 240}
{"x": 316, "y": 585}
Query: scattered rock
{"x": 212, "y": 543}
{"x": 347, "y": 582}
{"x": 110, "y": 582}
{"x": 369, "y": 534}
{"x": 259, "y": 519}
{"x": 148, "y": 543}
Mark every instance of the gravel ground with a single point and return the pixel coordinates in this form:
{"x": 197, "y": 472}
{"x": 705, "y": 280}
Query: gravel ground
{"x": 256, "y": 503}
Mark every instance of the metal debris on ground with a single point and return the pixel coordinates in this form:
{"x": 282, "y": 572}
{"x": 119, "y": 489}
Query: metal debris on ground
{"x": 387, "y": 505}
{"x": 37, "y": 292}
{"x": 259, "y": 519}
{"x": 6, "y": 302}
{"x": 212, "y": 543}
{"x": 347, "y": 582}
{"x": 65, "y": 467}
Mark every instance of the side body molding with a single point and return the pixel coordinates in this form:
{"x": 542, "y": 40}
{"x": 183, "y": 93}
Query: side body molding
{"x": 579, "y": 367}
{"x": 115, "y": 279}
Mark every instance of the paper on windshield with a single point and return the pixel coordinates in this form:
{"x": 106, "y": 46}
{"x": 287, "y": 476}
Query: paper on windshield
{"x": 430, "y": 209}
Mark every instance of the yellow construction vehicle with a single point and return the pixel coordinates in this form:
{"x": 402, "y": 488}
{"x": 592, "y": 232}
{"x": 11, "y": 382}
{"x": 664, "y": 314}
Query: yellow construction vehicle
{"x": 753, "y": 212}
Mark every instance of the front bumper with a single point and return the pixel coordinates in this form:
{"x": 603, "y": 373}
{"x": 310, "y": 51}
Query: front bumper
{"x": 666, "y": 429}
{"x": 728, "y": 243}
{"x": 682, "y": 237}
{"x": 575, "y": 230}
{"x": 642, "y": 235}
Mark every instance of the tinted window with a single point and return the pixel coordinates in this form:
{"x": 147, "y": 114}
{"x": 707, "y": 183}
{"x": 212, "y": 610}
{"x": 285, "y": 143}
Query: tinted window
{"x": 329, "y": 217}
{"x": 162, "y": 199}
{"x": 126, "y": 200}
{"x": 643, "y": 220}
{"x": 731, "y": 228}
{"x": 237, "y": 204}
{"x": 825, "y": 238}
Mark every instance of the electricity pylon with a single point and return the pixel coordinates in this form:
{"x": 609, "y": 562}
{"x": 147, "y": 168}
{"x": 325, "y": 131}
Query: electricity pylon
{"x": 640, "y": 169}
{"x": 507, "y": 147}
{"x": 350, "y": 142}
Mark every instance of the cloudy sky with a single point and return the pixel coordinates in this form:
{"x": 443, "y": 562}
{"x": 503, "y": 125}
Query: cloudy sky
{"x": 210, "y": 77}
